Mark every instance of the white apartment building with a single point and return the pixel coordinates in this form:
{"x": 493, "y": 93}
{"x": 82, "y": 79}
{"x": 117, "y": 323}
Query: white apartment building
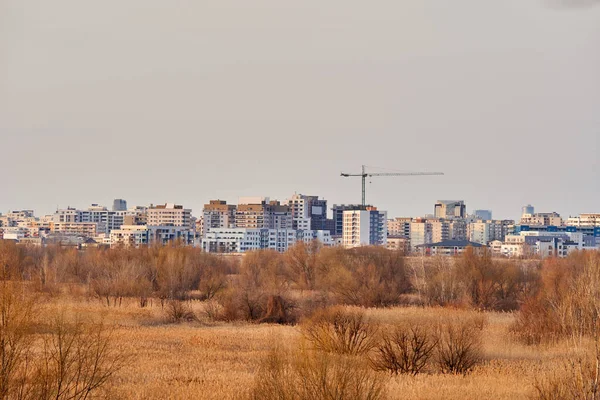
{"x": 420, "y": 233}
{"x": 364, "y": 228}
{"x": 480, "y": 232}
{"x": 241, "y": 240}
{"x": 170, "y": 214}
{"x": 138, "y": 235}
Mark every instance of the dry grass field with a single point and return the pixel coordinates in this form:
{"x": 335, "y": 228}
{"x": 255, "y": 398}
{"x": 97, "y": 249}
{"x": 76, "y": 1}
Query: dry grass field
{"x": 211, "y": 360}
{"x": 312, "y": 323}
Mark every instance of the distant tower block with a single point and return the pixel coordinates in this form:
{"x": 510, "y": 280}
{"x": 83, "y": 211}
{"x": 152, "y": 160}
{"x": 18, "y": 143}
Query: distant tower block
{"x": 528, "y": 209}
{"x": 119, "y": 205}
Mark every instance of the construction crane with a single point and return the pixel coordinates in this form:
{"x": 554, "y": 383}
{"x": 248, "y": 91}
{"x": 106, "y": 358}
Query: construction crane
{"x": 366, "y": 174}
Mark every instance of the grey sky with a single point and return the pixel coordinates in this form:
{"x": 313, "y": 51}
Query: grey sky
{"x": 184, "y": 101}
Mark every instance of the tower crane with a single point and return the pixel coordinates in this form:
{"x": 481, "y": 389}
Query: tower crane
{"x": 364, "y": 174}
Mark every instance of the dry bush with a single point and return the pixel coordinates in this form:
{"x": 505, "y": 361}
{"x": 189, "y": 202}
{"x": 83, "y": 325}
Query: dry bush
{"x": 60, "y": 360}
{"x": 366, "y": 276}
{"x": 407, "y": 349}
{"x": 309, "y": 375}
{"x": 340, "y": 330}
{"x": 302, "y": 263}
{"x": 567, "y": 305}
{"x": 475, "y": 280}
{"x": 213, "y": 310}
{"x": 178, "y": 311}
{"x": 279, "y": 311}
{"x": 459, "y": 341}
{"x": 78, "y": 359}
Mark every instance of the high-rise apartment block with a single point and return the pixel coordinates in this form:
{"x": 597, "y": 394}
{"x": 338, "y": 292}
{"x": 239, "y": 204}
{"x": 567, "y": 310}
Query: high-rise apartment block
{"x": 261, "y": 213}
{"x": 338, "y": 216}
{"x": 364, "y": 228}
{"x": 308, "y": 212}
{"x": 218, "y": 214}
{"x": 450, "y": 209}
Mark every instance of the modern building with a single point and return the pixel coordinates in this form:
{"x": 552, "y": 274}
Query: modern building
{"x": 119, "y": 205}
{"x": 399, "y": 226}
{"x": 217, "y": 214}
{"x": 338, "y": 216}
{"x": 85, "y": 229}
{"x": 241, "y": 240}
{"x": 129, "y": 236}
{"x": 584, "y": 220}
{"x": 170, "y": 214}
{"x": 484, "y": 215}
{"x": 449, "y": 209}
{"x": 364, "y": 228}
{"x": 548, "y": 219}
{"x": 421, "y": 232}
{"x": 528, "y": 209}
{"x": 308, "y": 212}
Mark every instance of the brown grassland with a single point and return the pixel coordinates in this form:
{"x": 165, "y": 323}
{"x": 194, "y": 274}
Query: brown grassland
{"x": 180, "y": 324}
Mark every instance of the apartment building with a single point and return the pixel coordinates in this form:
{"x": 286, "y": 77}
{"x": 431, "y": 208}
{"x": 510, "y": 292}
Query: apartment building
{"x": 308, "y": 212}
{"x": 261, "y": 213}
{"x": 86, "y": 229}
{"x": 484, "y": 232}
{"x": 421, "y": 232}
{"x": 364, "y": 228}
{"x": 546, "y": 219}
{"x": 170, "y": 214}
{"x": 584, "y": 220}
{"x": 217, "y": 214}
{"x": 399, "y": 226}
{"x": 129, "y": 236}
{"x": 338, "y": 216}
{"x": 241, "y": 240}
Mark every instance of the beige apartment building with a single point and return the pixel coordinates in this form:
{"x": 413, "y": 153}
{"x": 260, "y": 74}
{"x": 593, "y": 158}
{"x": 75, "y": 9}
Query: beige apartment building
{"x": 169, "y": 214}
{"x": 87, "y": 229}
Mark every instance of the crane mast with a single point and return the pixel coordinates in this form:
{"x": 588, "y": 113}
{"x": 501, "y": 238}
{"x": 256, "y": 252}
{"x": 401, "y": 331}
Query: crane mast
{"x": 364, "y": 174}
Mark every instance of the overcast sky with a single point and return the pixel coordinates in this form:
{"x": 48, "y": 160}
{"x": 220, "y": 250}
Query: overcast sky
{"x": 186, "y": 101}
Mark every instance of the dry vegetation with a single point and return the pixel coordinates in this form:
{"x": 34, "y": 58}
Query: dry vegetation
{"x": 173, "y": 322}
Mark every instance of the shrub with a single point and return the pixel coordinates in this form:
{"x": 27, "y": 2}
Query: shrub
{"x": 309, "y": 375}
{"x": 459, "y": 344}
{"x": 77, "y": 360}
{"x": 342, "y": 331}
{"x": 178, "y": 311}
{"x": 567, "y": 303}
{"x": 405, "y": 350}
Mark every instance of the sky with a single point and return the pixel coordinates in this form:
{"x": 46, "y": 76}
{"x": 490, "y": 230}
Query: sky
{"x": 185, "y": 101}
